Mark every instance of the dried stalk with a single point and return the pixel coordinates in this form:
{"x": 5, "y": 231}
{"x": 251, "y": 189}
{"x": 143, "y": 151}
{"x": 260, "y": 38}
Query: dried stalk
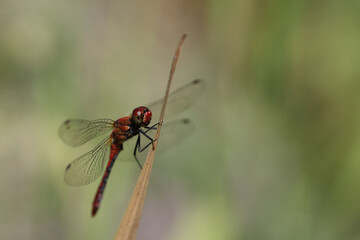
{"x": 131, "y": 219}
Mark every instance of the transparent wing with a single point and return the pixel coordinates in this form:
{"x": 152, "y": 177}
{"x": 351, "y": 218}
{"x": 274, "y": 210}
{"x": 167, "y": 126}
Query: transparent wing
{"x": 179, "y": 100}
{"x": 88, "y": 167}
{"x": 172, "y": 133}
{"x": 76, "y": 132}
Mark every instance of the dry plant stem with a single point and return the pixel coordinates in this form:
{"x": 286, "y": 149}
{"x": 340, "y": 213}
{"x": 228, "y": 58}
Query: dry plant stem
{"x": 131, "y": 219}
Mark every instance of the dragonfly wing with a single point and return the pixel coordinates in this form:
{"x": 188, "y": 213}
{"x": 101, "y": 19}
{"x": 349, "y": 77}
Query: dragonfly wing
{"x": 172, "y": 133}
{"x": 175, "y": 132}
{"x": 179, "y": 100}
{"x": 76, "y": 132}
{"x": 88, "y": 167}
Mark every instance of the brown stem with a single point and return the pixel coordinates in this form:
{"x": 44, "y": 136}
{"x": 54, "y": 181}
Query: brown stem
{"x": 131, "y": 219}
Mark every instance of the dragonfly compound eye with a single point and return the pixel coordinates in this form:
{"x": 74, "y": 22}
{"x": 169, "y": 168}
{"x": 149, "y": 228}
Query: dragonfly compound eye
{"x": 141, "y": 116}
{"x": 147, "y": 117}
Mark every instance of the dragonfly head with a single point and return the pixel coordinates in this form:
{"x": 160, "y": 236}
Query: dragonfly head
{"x": 141, "y": 116}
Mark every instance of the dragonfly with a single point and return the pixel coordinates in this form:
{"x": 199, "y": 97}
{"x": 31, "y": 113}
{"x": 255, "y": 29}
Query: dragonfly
{"x": 134, "y": 132}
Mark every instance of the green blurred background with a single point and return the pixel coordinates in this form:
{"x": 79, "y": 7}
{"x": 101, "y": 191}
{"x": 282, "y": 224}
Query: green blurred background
{"x": 275, "y": 154}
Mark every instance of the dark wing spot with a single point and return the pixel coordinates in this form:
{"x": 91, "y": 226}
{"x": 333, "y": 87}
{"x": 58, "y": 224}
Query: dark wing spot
{"x": 186, "y": 121}
{"x": 196, "y": 81}
{"x": 66, "y": 123}
{"x": 68, "y": 166}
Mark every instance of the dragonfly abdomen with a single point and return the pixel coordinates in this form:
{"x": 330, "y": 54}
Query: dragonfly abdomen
{"x": 115, "y": 150}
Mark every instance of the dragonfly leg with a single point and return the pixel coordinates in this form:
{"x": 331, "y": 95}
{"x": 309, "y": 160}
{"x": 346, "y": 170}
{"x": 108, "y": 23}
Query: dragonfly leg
{"x": 140, "y": 149}
{"x": 147, "y": 136}
{"x": 156, "y": 124}
{"x": 153, "y": 127}
{"x": 137, "y": 145}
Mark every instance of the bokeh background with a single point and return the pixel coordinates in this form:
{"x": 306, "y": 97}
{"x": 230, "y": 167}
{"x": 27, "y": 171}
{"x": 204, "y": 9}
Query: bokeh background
{"x": 276, "y": 150}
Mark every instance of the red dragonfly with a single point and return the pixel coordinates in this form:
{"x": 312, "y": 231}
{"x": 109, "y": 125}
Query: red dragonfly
{"x": 88, "y": 167}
